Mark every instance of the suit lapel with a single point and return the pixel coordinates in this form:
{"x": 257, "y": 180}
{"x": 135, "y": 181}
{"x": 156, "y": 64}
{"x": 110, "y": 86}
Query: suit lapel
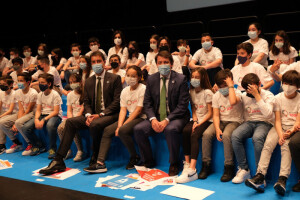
{"x": 172, "y": 82}
{"x": 106, "y": 82}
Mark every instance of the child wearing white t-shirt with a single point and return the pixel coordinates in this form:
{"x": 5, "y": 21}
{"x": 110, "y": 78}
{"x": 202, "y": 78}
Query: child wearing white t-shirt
{"x": 48, "y": 113}
{"x": 115, "y": 63}
{"x": 8, "y": 115}
{"x": 287, "y": 109}
{"x": 94, "y": 45}
{"x": 3, "y": 60}
{"x": 72, "y": 65}
{"x": 245, "y": 66}
{"x": 227, "y": 116}
{"x": 134, "y": 56}
{"x": 28, "y": 60}
{"x": 208, "y": 56}
{"x": 18, "y": 69}
{"x": 201, "y": 98}
{"x": 259, "y": 117}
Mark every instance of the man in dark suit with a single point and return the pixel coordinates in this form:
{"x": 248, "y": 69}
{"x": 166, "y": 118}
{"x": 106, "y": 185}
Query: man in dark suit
{"x": 166, "y": 106}
{"x": 101, "y": 108}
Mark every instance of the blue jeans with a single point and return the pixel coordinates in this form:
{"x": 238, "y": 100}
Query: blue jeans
{"x": 51, "y": 126}
{"x": 258, "y": 130}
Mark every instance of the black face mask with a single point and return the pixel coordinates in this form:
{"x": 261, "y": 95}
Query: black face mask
{"x": 131, "y": 51}
{"x": 43, "y": 87}
{"x": 250, "y": 95}
{"x": 164, "y": 48}
{"x": 114, "y": 65}
{"x": 40, "y": 68}
{"x": 4, "y": 87}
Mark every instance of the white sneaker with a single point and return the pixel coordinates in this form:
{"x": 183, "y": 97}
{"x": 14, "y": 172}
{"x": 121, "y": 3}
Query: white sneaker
{"x": 185, "y": 166}
{"x": 28, "y": 150}
{"x": 69, "y": 155}
{"x": 14, "y": 148}
{"x": 187, "y": 176}
{"x": 241, "y": 176}
{"x": 79, "y": 156}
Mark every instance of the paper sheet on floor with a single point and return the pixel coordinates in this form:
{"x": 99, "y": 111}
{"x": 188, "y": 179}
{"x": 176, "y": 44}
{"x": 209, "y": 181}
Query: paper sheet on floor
{"x": 69, "y": 172}
{"x": 150, "y": 174}
{"x": 187, "y": 192}
{"x": 5, "y": 164}
{"x": 116, "y": 182}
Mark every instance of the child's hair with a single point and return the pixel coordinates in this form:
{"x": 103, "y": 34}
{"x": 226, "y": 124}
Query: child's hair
{"x": 17, "y": 60}
{"x": 26, "y": 76}
{"x": 115, "y": 56}
{"x": 291, "y": 77}
{"x": 98, "y": 53}
{"x": 258, "y": 27}
{"x": 44, "y": 47}
{"x": 58, "y": 52}
{"x": 77, "y": 78}
{"x": 7, "y": 79}
{"x": 250, "y": 78}
{"x": 49, "y": 78}
{"x": 44, "y": 59}
{"x": 165, "y": 54}
{"x": 138, "y": 71}
{"x": 164, "y": 38}
{"x": 286, "y": 45}
{"x": 93, "y": 39}
{"x": 247, "y": 46}
{"x": 26, "y": 47}
{"x": 204, "y": 80}
{"x": 75, "y": 45}
{"x": 15, "y": 50}
{"x": 123, "y": 45}
{"x": 221, "y": 76}
{"x": 182, "y": 42}
{"x": 136, "y": 47}
{"x": 155, "y": 37}
{"x": 88, "y": 67}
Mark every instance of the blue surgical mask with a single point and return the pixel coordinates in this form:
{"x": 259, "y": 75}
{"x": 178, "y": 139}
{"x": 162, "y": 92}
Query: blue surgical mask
{"x": 252, "y": 34}
{"x": 21, "y": 86}
{"x": 97, "y": 68}
{"x": 164, "y": 69}
{"x": 224, "y": 91}
{"x": 82, "y": 66}
{"x": 206, "y": 45}
{"x": 195, "y": 82}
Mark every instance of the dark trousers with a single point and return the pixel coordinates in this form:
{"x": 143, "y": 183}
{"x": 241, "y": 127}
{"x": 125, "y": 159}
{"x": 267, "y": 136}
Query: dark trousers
{"x": 172, "y": 133}
{"x": 78, "y": 123}
{"x": 295, "y": 149}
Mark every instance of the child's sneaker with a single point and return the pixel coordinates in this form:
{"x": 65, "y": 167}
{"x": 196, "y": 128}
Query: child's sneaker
{"x": 187, "y": 176}
{"x": 79, "y": 156}
{"x": 14, "y": 148}
{"x": 52, "y": 153}
{"x": 35, "y": 151}
{"x": 2, "y": 149}
{"x": 69, "y": 155}
{"x": 258, "y": 182}
{"x": 28, "y": 150}
{"x": 241, "y": 176}
{"x": 280, "y": 185}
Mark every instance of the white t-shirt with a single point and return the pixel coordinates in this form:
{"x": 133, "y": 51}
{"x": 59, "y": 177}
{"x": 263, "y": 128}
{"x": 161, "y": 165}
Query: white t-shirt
{"x": 54, "y": 72}
{"x": 150, "y": 57}
{"x": 26, "y": 99}
{"x": 283, "y": 57}
{"x": 123, "y": 55}
{"x": 101, "y": 50}
{"x": 31, "y": 61}
{"x": 121, "y": 72}
{"x": 132, "y": 99}
{"x": 228, "y": 112}
{"x": 7, "y": 100}
{"x": 48, "y": 102}
{"x": 182, "y": 59}
{"x": 204, "y": 58}
{"x": 293, "y": 66}
{"x": 200, "y": 101}
{"x": 259, "y": 111}
{"x": 14, "y": 77}
{"x": 73, "y": 100}
{"x": 289, "y": 108}
{"x": 261, "y": 46}
{"x": 176, "y": 67}
{"x": 74, "y": 62}
{"x": 134, "y": 60}
{"x": 3, "y": 63}
{"x": 239, "y": 72}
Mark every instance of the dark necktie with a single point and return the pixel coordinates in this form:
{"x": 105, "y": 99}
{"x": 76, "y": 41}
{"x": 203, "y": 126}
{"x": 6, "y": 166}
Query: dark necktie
{"x": 163, "y": 101}
{"x": 99, "y": 96}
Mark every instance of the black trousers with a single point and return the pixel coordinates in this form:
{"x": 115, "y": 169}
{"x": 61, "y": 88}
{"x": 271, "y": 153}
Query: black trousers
{"x": 78, "y": 123}
{"x": 294, "y": 145}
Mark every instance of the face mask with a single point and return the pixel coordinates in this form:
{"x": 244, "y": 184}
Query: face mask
{"x": 195, "y": 82}
{"x": 40, "y": 52}
{"x": 206, "y": 45}
{"x": 224, "y": 91}
{"x": 181, "y": 49}
{"x": 27, "y": 54}
{"x": 131, "y": 51}
{"x": 82, "y": 66}
{"x": 75, "y": 86}
{"x": 97, "y": 68}
{"x": 21, "y": 86}
{"x": 289, "y": 89}
{"x": 16, "y": 67}
{"x": 252, "y": 34}
{"x": 94, "y": 48}
{"x": 43, "y": 88}
{"x": 75, "y": 53}
{"x": 12, "y": 57}
{"x": 153, "y": 46}
{"x": 4, "y": 87}
{"x": 242, "y": 59}
{"x": 250, "y": 95}
{"x": 279, "y": 44}
{"x": 164, "y": 69}
{"x": 118, "y": 41}
{"x": 40, "y": 68}
{"x": 164, "y": 48}
{"x": 130, "y": 81}
{"x": 114, "y": 65}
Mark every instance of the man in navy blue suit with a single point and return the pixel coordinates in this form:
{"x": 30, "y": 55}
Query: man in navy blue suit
{"x": 166, "y": 106}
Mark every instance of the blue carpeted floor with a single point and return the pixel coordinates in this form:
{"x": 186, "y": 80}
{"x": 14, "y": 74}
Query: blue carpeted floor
{"x": 23, "y": 167}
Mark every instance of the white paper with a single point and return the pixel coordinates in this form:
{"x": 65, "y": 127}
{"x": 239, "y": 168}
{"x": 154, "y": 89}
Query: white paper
{"x": 187, "y": 192}
{"x": 58, "y": 176}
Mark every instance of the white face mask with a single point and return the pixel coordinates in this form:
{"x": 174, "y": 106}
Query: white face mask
{"x": 252, "y": 34}
{"x": 289, "y": 89}
{"x": 130, "y": 81}
{"x": 12, "y": 57}
{"x": 75, "y": 53}
{"x": 181, "y": 49}
{"x": 153, "y": 46}
{"x": 94, "y": 48}
{"x": 40, "y": 52}
{"x": 27, "y": 54}
{"x": 118, "y": 41}
{"x": 279, "y": 44}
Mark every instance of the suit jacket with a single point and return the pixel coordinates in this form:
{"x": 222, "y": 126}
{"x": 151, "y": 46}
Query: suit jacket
{"x": 178, "y": 96}
{"x": 112, "y": 87}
